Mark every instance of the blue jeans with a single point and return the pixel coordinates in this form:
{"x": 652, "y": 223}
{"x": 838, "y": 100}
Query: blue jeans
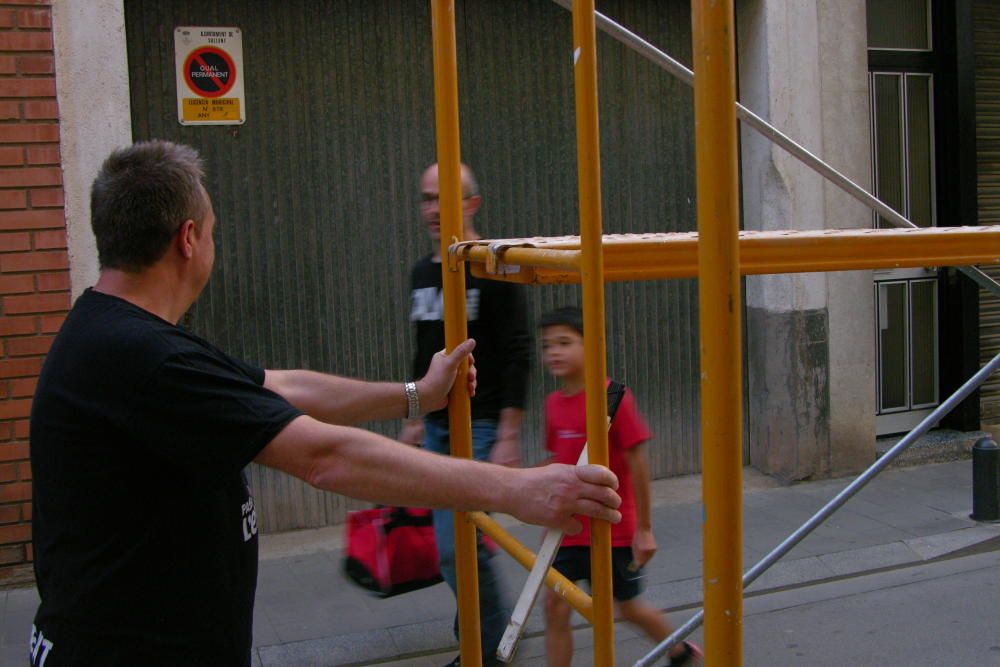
{"x": 493, "y": 612}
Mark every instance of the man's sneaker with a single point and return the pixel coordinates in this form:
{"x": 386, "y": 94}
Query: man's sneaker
{"x": 491, "y": 661}
{"x": 692, "y": 655}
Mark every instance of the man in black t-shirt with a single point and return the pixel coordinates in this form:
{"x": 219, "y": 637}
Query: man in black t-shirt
{"x": 497, "y": 320}
{"x": 145, "y": 534}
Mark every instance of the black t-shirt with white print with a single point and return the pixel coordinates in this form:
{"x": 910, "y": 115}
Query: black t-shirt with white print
{"x": 144, "y": 530}
{"x": 497, "y": 319}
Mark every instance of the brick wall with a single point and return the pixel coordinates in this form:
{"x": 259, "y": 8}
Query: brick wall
{"x": 34, "y": 269}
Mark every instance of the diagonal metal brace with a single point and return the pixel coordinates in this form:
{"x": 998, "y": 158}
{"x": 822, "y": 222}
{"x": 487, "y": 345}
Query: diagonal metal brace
{"x": 832, "y": 506}
{"x": 685, "y": 74}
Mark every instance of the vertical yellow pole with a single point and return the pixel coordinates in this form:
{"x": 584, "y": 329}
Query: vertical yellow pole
{"x": 588, "y": 156}
{"x": 455, "y": 329}
{"x": 719, "y": 299}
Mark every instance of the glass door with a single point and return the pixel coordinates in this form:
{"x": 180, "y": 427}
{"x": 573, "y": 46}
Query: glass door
{"x": 902, "y": 116}
{"x": 906, "y": 320}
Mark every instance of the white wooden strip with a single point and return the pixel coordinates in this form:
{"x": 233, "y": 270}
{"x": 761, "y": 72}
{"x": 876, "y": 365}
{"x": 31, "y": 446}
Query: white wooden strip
{"x": 529, "y": 594}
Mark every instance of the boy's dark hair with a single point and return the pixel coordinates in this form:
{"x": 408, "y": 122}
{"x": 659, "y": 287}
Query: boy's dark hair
{"x": 566, "y": 316}
{"x": 139, "y": 199}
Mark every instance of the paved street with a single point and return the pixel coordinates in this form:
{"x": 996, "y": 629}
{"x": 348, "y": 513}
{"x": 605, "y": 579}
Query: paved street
{"x": 942, "y": 613}
{"x": 900, "y": 575}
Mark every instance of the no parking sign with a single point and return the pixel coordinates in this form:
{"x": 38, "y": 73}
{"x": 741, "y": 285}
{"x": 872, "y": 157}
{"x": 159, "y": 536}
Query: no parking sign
{"x": 209, "y": 76}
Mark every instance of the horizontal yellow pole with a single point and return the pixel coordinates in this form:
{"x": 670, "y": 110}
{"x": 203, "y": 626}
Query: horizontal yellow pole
{"x": 540, "y": 257}
{"x": 562, "y": 586}
{"x": 658, "y": 256}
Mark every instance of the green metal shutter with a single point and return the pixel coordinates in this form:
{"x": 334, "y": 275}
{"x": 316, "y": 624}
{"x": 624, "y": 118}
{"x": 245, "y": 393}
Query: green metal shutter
{"x": 987, "y": 46}
{"x": 317, "y": 198}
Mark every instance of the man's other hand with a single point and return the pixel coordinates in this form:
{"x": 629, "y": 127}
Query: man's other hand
{"x": 412, "y": 432}
{"x": 506, "y": 452}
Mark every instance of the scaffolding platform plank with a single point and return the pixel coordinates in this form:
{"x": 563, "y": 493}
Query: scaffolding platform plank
{"x": 556, "y": 259}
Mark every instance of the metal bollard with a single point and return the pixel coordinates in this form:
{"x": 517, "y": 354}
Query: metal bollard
{"x": 985, "y": 481}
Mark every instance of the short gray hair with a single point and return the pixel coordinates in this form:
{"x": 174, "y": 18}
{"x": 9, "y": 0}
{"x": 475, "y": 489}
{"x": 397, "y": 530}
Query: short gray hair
{"x": 140, "y": 198}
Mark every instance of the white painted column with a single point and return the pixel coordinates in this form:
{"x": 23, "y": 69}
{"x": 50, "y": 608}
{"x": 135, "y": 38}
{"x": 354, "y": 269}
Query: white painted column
{"x": 810, "y": 337}
{"x": 850, "y": 298}
{"x": 95, "y": 117}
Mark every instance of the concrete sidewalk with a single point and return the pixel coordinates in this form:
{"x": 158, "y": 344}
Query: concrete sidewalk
{"x": 308, "y": 614}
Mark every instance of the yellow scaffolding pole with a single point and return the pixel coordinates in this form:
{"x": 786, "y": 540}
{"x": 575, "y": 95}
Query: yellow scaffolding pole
{"x": 592, "y": 273}
{"x": 719, "y": 306}
{"x": 455, "y": 328}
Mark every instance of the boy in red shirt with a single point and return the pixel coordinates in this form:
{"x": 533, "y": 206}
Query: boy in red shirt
{"x": 632, "y": 541}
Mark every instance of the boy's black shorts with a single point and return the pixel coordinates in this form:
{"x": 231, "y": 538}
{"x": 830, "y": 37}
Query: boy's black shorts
{"x": 574, "y": 564}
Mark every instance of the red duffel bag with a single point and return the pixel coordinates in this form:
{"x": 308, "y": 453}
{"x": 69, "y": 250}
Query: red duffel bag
{"x": 391, "y": 550}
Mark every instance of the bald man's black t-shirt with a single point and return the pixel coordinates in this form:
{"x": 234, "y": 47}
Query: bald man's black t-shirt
{"x": 497, "y": 319}
{"x": 144, "y": 530}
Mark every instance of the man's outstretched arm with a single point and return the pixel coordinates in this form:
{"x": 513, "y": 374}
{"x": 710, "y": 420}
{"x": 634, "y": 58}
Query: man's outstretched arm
{"x": 341, "y": 400}
{"x": 364, "y": 465}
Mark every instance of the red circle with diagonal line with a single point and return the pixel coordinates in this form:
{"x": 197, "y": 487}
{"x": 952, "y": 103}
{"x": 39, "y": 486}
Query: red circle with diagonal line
{"x": 209, "y": 72}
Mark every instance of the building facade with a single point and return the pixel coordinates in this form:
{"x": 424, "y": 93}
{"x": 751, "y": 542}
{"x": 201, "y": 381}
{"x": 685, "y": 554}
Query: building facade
{"x": 316, "y": 197}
